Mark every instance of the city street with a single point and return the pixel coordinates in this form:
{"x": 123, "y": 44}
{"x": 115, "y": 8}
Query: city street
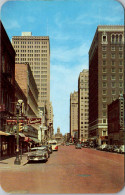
{"x": 69, "y": 170}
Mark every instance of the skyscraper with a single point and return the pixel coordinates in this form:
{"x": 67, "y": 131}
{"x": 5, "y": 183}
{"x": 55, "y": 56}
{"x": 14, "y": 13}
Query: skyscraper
{"x": 106, "y": 76}
{"x": 83, "y": 97}
{"x": 36, "y": 51}
{"x": 73, "y": 114}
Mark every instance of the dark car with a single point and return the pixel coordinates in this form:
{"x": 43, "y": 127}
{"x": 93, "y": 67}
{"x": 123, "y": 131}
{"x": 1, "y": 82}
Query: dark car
{"x": 37, "y": 154}
{"x": 78, "y": 146}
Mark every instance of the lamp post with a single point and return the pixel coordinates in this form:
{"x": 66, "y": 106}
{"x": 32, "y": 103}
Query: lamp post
{"x": 19, "y": 113}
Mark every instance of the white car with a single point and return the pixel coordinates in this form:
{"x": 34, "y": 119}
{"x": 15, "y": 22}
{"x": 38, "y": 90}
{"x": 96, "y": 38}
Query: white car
{"x": 122, "y": 149}
{"x": 54, "y": 145}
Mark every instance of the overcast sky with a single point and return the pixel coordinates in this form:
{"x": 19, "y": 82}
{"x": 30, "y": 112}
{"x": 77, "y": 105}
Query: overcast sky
{"x": 70, "y": 25}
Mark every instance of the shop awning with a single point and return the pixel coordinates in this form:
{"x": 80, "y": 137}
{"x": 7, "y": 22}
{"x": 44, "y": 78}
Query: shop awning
{"x": 34, "y": 139}
{"x": 21, "y": 135}
{"x": 4, "y": 133}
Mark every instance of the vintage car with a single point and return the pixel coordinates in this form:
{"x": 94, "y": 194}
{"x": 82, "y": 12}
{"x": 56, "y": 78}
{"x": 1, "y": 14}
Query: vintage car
{"x": 38, "y": 154}
{"x": 78, "y": 146}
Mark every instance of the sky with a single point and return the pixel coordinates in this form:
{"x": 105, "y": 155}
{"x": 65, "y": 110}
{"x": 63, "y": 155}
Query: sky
{"x": 70, "y": 25}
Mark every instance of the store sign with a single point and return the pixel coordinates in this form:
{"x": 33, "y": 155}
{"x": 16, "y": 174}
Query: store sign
{"x": 14, "y": 122}
{"x": 34, "y": 121}
{"x": 29, "y": 121}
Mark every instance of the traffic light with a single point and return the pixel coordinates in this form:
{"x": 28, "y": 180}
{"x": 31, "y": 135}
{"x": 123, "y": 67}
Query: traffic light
{"x": 20, "y": 126}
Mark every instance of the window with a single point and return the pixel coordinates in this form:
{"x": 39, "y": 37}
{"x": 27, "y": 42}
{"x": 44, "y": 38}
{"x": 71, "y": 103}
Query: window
{"x": 104, "y": 62}
{"x": 104, "y": 38}
{"x": 120, "y": 48}
{"x": 120, "y": 84}
{"x": 113, "y": 63}
{"x": 113, "y": 70}
{"x": 104, "y": 105}
{"x": 113, "y": 77}
{"x": 113, "y": 38}
{"x": 104, "y": 84}
{"x": 104, "y": 77}
{"x": 113, "y": 84}
{"x": 104, "y": 70}
{"x": 113, "y": 55}
{"x": 120, "y": 77}
{"x": 104, "y": 113}
{"x": 104, "y": 55}
{"x": 120, "y": 38}
{"x": 120, "y": 70}
{"x": 104, "y": 99}
{"x": 120, "y": 63}
{"x": 104, "y": 48}
{"x": 104, "y": 92}
{"x": 120, "y": 55}
{"x": 113, "y": 48}
{"x": 113, "y": 92}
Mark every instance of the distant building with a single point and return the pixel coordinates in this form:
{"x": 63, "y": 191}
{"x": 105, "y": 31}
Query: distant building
{"x": 106, "y": 76}
{"x": 116, "y": 121}
{"x": 73, "y": 114}
{"x": 58, "y": 136}
{"x": 83, "y": 98}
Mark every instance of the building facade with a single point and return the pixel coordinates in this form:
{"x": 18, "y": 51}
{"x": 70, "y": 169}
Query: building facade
{"x": 83, "y": 98}
{"x": 116, "y": 121}
{"x": 7, "y": 93}
{"x": 106, "y": 76}
{"x": 73, "y": 114}
{"x": 36, "y": 51}
{"x": 25, "y": 80}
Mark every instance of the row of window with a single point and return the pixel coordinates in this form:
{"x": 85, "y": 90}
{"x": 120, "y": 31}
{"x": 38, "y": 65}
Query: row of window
{"x": 113, "y": 55}
{"x": 113, "y": 84}
{"x": 113, "y": 70}
{"x": 30, "y": 42}
{"x": 113, "y": 63}
{"x": 113, "y": 92}
{"x": 113, "y": 77}
{"x": 113, "y": 48}
{"x": 31, "y": 46}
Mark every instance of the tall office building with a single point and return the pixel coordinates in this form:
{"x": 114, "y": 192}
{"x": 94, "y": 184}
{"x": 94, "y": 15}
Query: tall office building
{"x": 106, "y": 76}
{"x": 74, "y": 114}
{"x": 36, "y": 51}
{"x": 83, "y": 97}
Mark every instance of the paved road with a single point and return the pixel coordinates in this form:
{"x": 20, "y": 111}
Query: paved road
{"x": 69, "y": 170}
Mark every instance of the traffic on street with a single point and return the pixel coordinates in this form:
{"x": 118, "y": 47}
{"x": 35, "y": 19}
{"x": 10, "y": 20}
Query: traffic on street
{"x": 68, "y": 170}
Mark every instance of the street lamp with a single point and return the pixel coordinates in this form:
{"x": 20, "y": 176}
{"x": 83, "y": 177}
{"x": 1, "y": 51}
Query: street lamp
{"x": 18, "y": 112}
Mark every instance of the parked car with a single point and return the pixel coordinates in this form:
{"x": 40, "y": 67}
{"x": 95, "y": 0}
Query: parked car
{"x": 37, "y": 154}
{"x": 122, "y": 149}
{"x": 116, "y": 149}
{"x": 67, "y": 143}
{"x": 78, "y": 146}
{"x": 45, "y": 147}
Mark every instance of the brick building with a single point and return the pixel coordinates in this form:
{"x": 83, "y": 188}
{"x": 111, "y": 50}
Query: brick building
{"x": 116, "y": 121}
{"x": 106, "y": 76}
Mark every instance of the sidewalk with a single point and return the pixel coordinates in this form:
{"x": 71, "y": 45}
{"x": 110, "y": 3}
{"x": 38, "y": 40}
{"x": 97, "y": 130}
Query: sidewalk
{"x": 9, "y": 162}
